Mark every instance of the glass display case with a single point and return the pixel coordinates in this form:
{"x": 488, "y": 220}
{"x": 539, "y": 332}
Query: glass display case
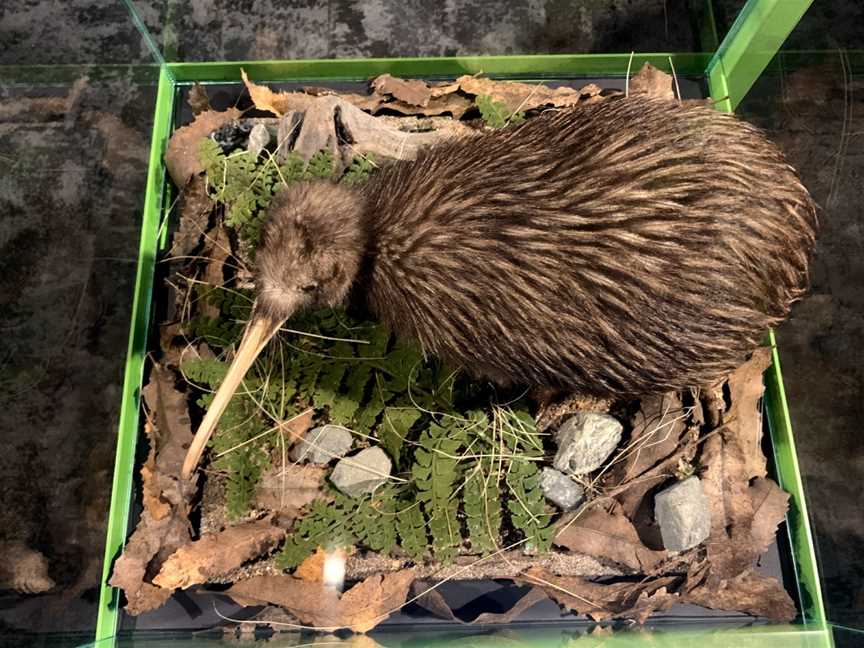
{"x": 86, "y": 125}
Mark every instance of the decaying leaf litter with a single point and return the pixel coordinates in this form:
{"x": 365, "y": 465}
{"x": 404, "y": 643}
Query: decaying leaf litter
{"x": 461, "y": 494}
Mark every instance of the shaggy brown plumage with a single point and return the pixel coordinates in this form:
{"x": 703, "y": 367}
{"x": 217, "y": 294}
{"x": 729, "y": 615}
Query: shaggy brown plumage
{"x": 619, "y": 248}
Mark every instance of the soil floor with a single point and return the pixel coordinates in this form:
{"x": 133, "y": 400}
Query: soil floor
{"x": 73, "y": 160}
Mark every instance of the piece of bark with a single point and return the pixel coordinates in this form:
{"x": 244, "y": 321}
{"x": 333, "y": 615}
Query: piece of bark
{"x": 749, "y": 592}
{"x": 410, "y": 91}
{"x": 651, "y": 82}
{"x": 431, "y": 600}
{"x": 215, "y": 554}
{"x": 360, "y": 609}
{"x": 194, "y": 210}
{"x": 597, "y": 532}
{"x": 182, "y": 157}
{"x": 602, "y": 601}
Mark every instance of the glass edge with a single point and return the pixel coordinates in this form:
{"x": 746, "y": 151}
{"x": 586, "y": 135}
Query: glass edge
{"x": 127, "y": 435}
{"x": 753, "y": 40}
{"x": 789, "y": 476}
{"x": 352, "y": 69}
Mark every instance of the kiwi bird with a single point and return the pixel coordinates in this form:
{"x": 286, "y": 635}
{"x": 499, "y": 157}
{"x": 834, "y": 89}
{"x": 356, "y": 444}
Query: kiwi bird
{"x": 616, "y": 249}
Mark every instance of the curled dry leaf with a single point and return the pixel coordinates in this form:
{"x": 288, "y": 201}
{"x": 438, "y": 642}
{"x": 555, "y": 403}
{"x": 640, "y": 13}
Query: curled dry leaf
{"x": 745, "y": 414}
{"x": 601, "y": 601}
{"x": 360, "y": 609}
{"x": 655, "y": 445}
{"x": 749, "y": 592}
{"x": 432, "y": 601}
{"x": 731, "y": 459}
{"x": 164, "y": 524}
{"x": 651, "y": 82}
{"x": 603, "y": 534}
{"x": 409, "y": 91}
{"x": 525, "y": 96}
{"x": 217, "y": 251}
{"x": 181, "y": 158}
{"x": 215, "y": 554}
{"x": 195, "y": 208}
{"x": 770, "y": 503}
{"x": 277, "y": 103}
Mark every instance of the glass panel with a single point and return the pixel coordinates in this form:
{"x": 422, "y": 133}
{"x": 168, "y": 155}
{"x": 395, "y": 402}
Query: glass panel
{"x": 77, "y": 91}
{"x": 810, "y": 104}
{"x": 205, "y": 31}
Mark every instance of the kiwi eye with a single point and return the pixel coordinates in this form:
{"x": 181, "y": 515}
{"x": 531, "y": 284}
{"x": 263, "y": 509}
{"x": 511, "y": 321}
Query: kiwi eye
{"x": 308, "y": 288}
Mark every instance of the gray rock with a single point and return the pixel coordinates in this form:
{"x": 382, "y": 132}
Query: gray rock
{"x": 322, "y": 444}
{"x": 683, "y": 513}
{"x": 559, "y": 489}
{"x": 259, "y": 138}
{"x": 361, "y": 473}
{"x": 585, "y": 441}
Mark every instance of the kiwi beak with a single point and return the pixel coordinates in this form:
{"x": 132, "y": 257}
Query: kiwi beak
{"x": 258, "y": 332}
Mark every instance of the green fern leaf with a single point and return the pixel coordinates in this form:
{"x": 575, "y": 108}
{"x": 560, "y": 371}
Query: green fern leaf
{"x": 359, "y": 170}
{"x": 482, "y": 504}
{"x": 320, "y": 166}
{"x": 495, "y": 113}
{"x": 411, "y": 527}
{"x": 527, "y": 504}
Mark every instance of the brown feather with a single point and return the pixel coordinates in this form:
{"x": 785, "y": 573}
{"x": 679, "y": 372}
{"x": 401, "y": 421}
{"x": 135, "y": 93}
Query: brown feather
{"x": 618, "y": 248}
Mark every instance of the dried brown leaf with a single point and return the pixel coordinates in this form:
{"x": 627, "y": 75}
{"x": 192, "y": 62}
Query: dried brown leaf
{"x": 432, "y": 600}
{"x": 277, "y": 103}
{"x": 155, "y": 539}
{"x": 770, "y": 503}
{"x": 195, "y": 208}
{"x": 651, "y": 82}
{"x": 731, "y": 458}
{"x": 745, "y": 416}
{"x": 603, "y": 601}
{"x": 217, "y": 250}
{"x": 198, "y": 100}
{"x": 312, "y": 569}
{"x": 525, "y": 96}
{"x": 181, "y": 158}
{"x": 603, "y": 534}
{"x": 216, "y": 554}
{"x": 749, "y": 592}
{"x": 655, "y": 443}
{"x": 287, "y": 490}
{"x": 360, "y": 609}
{"x": 453, "y": 104}
{"x": 413, "y": 92}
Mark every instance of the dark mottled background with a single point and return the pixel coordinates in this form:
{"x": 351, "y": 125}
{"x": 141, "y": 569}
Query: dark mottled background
{"x": 72, "y": 167}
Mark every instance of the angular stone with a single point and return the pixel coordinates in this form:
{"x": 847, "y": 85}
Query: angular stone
{"x": 585, "y": 441}
{"x": 321, "y": 445}
{"x": 361, "y": 473}
{"x": 684, "y": 515}
{"x": 559, "y": 489}
{"x": 259, "y": 138}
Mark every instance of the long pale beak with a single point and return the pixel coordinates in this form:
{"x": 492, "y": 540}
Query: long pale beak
{"x": 258, "y": 332}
